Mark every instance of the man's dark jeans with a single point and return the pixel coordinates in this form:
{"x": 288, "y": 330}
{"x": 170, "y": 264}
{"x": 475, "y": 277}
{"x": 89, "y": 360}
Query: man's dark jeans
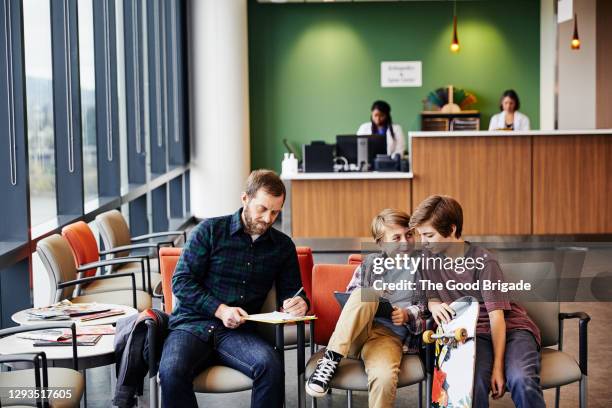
{"x": 186, "y": 355}
{"x": 522, "y": 370}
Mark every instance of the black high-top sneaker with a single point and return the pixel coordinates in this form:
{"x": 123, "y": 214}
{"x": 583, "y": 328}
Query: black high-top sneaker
{"x": 318, "y": 383}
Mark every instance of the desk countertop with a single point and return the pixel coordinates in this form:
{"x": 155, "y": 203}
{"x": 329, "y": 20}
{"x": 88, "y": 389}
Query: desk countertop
{"x": 371, "y": 175}
{"x": 512, "y": 133}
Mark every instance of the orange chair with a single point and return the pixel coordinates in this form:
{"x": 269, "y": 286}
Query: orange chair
{"x": 327, "y": 278}
{"x": 85, "y": 250}
{"x": 168, "y": 258}
{"x": 350, "y": 375}
{"x": 306, "y": 263}
{"x": 355, "y": 259}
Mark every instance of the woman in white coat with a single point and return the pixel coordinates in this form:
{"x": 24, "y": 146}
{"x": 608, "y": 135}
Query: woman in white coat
{"x": 381, "y": 124}
{"x": 509, "y": 118}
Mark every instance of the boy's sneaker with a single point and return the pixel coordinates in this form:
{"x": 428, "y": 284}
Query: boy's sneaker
{"x": 318, "y": 383}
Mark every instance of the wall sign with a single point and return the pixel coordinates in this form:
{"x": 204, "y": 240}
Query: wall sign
{"x": 565, "y": 10}
{"x": 401, "y": 74}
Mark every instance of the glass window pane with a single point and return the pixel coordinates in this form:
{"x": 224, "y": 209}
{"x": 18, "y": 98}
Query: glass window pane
{"x": 88, "y": 99}
{"x": 39, "y": 92}
{"x": 123, "y": 150}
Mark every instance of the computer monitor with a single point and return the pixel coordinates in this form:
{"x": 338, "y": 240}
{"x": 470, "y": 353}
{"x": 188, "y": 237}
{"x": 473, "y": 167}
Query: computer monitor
{"x": 358, "y": 149}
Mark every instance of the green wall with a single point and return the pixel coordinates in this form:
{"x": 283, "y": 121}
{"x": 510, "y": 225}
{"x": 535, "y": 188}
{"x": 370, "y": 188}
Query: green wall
{"x": 315, "y": 68}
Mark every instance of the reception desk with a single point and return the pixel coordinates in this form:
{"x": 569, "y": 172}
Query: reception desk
{"x": 519, "y": 183}
{"x": 341, "y": 204}
{"x": 509, "y": 183}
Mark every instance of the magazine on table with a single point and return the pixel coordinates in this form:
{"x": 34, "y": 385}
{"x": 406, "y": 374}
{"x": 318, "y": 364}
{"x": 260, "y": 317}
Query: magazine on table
{"x": 57, "y": 335}
{"x": 64, "y": 310}
{"x": 101, "y": 315}
{"x": 81, "y": 341}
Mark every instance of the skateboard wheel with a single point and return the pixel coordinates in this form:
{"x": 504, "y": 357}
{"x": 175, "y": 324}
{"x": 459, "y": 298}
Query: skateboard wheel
{"x": 460, "y": 334}
{"x": 427, "y": 336}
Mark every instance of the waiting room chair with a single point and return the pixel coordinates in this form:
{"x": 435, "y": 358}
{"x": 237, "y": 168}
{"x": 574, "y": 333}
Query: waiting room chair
{"x": 558, "y": 368}
{"x": 355, "y": 259}
{"x": 116, "y": 235}
{"x": 306, "y": 261}
{"x": 41, "y": 376}
{"x": 85, "y": 249}
{"x": 168, "y": 258}
{"x": 215, "y": 379}
{"x": 58, "y": 260}
{"x": 350, "y": 375}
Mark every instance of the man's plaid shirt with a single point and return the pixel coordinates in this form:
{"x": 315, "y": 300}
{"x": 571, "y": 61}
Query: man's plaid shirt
{"x": 221, "y": 264}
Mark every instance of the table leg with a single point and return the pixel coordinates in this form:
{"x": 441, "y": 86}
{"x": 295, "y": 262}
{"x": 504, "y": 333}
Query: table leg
{"x": 84, "y": 399}
{"x": 301, "y": 364}
{"x": 113, "y": 379}
{"x": 280, "y": 347}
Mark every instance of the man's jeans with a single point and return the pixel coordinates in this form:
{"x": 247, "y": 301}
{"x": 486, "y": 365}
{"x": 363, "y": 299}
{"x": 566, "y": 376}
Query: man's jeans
{"x": 522, "y": 370}
{"x": 186, "y": 355}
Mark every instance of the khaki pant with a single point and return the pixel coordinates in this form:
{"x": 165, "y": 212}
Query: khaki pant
{"x": 356, "y": 335}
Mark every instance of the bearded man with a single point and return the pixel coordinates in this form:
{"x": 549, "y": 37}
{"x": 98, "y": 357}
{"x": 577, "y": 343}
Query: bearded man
{"x": 225, "y": 272}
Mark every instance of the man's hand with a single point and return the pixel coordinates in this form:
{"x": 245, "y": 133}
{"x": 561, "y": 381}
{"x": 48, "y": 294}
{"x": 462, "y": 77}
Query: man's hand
{"x": 231, "y": 317}
{"x": 295, "y": 306}
{"x": 498, "y": 383}
{"x": 399, "y": 316}
{"x": 441, "y": 312}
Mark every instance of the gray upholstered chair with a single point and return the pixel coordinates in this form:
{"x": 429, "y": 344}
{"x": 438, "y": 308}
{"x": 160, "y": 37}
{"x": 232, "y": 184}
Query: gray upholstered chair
{"x": 118, "y": 242}
{"x": 42, "y": 377}
{"x": 558, "y": 367}
{"x": 56, "y": 255}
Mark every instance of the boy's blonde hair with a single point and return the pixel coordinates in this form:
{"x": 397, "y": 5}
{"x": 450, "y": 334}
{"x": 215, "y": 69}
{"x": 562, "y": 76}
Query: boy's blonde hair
{"x": 387, "y": 217}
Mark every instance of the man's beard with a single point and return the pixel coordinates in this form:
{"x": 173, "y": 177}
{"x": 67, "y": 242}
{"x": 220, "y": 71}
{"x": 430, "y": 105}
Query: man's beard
{"x": 251, "y": 227}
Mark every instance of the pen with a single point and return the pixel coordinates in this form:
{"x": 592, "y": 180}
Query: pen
{"x": 298, "y": 292}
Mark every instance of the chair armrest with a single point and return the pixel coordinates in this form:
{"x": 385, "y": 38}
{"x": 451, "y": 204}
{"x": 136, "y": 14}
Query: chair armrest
{"x": 107, "y": 262}
{"x": 95, "y": 278}
{"x": 142, "y": 245}
{"x": 160, "y": 234}
{"x": 125, "y": 260}
{"x": 583, "y": 351}
{"x": 19, "y": 358}
{"x": 44, "y": 326}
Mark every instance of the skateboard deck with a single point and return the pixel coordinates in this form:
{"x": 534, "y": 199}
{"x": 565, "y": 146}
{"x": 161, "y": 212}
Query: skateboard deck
{"x": 455, "y": 355}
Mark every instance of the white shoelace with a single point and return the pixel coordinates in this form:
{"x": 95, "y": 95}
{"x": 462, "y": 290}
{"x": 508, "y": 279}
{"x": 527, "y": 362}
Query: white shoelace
{"x": 325, "y": 370}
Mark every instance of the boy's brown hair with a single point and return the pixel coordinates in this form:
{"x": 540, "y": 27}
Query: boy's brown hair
{"x": 388, "y": 216}
{"x": 442, "y": 212}
{"x": 267, "y": 180}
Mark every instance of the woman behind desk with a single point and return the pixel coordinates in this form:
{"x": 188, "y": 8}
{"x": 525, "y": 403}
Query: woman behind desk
{"x": 509, "y": 118}
{"x": 381, "y": 124}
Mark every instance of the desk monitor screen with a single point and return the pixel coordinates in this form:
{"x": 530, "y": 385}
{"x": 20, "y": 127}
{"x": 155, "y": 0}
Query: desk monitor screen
{"x": 356, "y": 148}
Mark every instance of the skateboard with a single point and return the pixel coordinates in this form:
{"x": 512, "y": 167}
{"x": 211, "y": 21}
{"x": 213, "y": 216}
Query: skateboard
{"x": 455, "y": 355}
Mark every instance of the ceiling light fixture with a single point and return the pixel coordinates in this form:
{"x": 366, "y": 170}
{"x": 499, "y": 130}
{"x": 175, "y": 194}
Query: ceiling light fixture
{"x": 454, "y": 47}
{"x": 575, "y": 44}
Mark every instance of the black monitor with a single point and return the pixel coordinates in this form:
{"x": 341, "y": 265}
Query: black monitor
{"x": 361, "y": 148}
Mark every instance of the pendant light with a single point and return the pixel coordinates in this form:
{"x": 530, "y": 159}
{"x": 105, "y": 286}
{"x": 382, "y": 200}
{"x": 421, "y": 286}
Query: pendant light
{"x": 575, "y": 44}
{"x": 454, "y": 47}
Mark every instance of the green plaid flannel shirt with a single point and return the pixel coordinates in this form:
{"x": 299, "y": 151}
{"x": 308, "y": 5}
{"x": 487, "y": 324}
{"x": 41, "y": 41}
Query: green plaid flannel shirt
{"x": 221, "y": 264}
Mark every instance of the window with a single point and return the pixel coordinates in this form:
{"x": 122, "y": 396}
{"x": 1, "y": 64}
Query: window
{"x": 88, "y": 99}
{"x": 39, "y": 93}
{"x": 120, "y": 44}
